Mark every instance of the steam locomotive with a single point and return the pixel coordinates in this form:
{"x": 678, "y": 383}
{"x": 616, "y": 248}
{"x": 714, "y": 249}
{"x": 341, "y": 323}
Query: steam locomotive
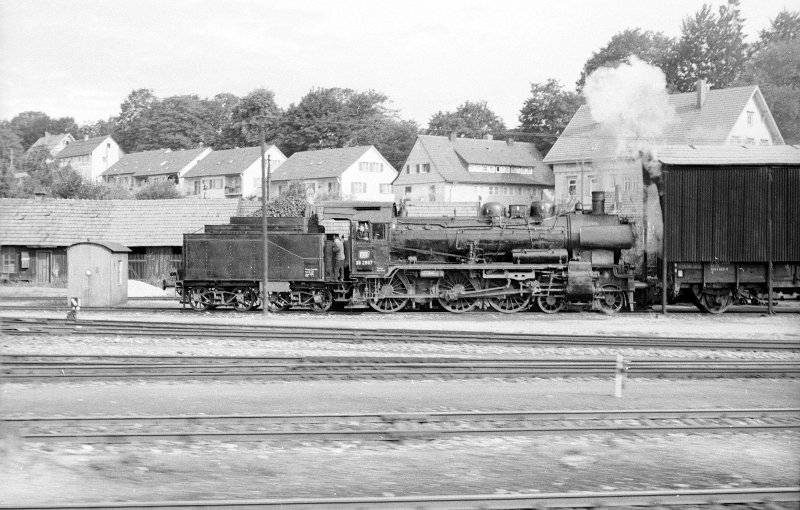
{"x": 396, "y": 262}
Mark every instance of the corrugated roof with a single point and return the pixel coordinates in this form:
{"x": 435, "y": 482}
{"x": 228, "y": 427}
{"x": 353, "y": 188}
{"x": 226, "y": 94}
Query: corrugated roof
{"x": 585, "y": 139}
{"x": 729, "y": 155}
{"x": 451, "y": 158}
{"x": 80, "y": 147}
{"x": 226, "y": 162}
{"x": 55, "y": 222}
{"x": 156, "y": 162}
{"x": 321, "y": 164}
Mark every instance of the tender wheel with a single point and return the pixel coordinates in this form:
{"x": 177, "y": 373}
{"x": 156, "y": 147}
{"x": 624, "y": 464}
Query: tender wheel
{"x": 321, "y": 301}
{"x": 714, "y": 303}
{"x": 610, "y": 299}
{"x": 391, "y": 294}
{"x": 244, "y": 299}
{"x": 551, "y": 304}
{"x": 509, "y": 303}
{"x": 279, "y": 301}
{"x": 451, "y": 286}
{"x": 198, "y": 299}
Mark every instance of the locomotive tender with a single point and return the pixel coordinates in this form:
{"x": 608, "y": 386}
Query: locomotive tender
{"x": 394, "y": 263}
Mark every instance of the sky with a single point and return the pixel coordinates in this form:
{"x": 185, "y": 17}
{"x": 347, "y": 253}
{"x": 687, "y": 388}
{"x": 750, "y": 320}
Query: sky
{"x": 83, "y": 57}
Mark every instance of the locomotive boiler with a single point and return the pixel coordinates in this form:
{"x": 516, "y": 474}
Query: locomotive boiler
{"x": 395, "y": 262}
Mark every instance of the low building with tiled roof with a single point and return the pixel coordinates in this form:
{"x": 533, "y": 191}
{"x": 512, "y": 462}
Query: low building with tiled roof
{"x": 54, "y": 143}
{"x": 34, "y": 233}
{"x": 138, "y": 168}
{"x": 232, "y": 173}
{"x": 90, "y": 156}
{"x": 587, "y": 157}
{"x": 351, "y": 173}
{"x": 452, "y": 169}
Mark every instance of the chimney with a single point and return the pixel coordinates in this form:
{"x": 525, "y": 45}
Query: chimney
{"x": 702, "y": 91}
{"x": 488, "y": 137}
{"x": 453, "y": 136}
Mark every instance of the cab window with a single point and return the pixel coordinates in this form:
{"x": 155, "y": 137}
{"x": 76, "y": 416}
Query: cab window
{"x": 362, "y": 231}
{"x": 379, "y": 231}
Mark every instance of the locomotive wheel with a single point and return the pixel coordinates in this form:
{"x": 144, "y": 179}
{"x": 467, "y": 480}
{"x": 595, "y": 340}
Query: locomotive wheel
{"x": 389, "y": 294}
{"x": 321, "y": 301}
{"x": 197, "y": 299}
{"x": 279, "y": 302}
{"x": 610, "y": 299}
{"x": 451, "y": 285}
{"x": 243, "y": 299}
{"x": 509, "y": 303}
{"x": 714, "y": 303}
{"x": 551, "y": 304}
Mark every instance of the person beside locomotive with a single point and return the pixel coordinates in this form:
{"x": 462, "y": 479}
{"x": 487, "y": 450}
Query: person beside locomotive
{"x": 338, "y": 258}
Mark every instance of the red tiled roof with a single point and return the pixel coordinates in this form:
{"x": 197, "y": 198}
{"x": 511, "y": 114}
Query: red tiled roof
{"x": 156, "y": 162}
{"x": 585, "y": 139}
{"x": 56, "y": 222}
{"x": 226, "y": 162}
{"x": 321, "y": 164}
{"x": 80, "y": 147}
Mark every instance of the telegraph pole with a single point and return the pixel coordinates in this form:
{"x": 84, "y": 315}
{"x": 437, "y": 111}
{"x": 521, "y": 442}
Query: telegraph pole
{"x": 264, "y": 191}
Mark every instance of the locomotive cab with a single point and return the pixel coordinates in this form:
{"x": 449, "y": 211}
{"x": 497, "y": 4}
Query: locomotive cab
{"x": 369, "y": 249}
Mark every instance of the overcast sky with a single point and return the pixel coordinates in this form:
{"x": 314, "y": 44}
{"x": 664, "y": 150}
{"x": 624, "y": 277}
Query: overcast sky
{"x": 83, "y": 57}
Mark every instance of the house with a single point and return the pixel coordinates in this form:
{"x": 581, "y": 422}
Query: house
{"x": 588, "y": 158}
{"x": 139, "y": 168}
{"x": 233, "y": 173}
{"x": 53, "y": 143}
{"x": 35, "y": 233}
{"x": 91, "y": 156}
{"x": 351, "y": 173}
{"x": 451, "y": 169}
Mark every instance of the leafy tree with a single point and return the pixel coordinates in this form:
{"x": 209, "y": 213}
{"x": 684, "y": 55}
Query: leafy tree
{"x": 157, "y": 190}
{"x": 255, "y": 116}
{"x": 10, "y": 154}
{"x": 547, "y": 111}
{"x": 223, "y": 105}
{"x": 30, "y": 126}
{"x": 127, "y": 126}
{"x": 333, "y": 117}
{"x": 393, "y": 138}
{"x": 785, "y": 27}
{"x": 711, "y": 47}
{"x": 652, "y": 47}
{"x": 97, "y": 128}
{"x": 176, "y": 122}
{"x": 471, "y": 120}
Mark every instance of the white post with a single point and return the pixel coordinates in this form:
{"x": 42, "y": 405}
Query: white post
{"x": 619, "y": 378}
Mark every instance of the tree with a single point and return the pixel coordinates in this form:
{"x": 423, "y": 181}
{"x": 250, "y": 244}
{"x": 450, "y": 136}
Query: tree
{"x": 652, "y": 47}
{"x": 255, "y": 117}
{"x": 157, "y": 190}
{"x": 471, "y": 120}
{"x": 291, "y": 203}
{"x": 127, "y": 126}
{"x": 547, "y": 111}
{"x": 711, "y": 47}
{"x": 785, "y": 27}
{"x": 393, "y": 138}
{"x": 97, "y": 128}
{"x": 10, "y": 155}
{"x": 30, "y": 126}
{"x": 333, "y": 117}
{"x": 223, "y": 106}
{"x": 176, "y": 122}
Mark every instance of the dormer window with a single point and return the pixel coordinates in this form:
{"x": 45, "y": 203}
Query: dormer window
{"x": 750, "y": 118}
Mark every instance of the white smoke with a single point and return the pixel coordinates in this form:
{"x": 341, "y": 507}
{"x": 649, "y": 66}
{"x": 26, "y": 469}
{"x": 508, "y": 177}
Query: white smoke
{"x": 631, "y": 104}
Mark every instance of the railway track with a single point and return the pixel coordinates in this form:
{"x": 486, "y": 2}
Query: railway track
{"x": 48, "y": 326}
{"x": 52, "y": 367}
{"x": 393, "y": 426}
{"x": 769, "y": 497}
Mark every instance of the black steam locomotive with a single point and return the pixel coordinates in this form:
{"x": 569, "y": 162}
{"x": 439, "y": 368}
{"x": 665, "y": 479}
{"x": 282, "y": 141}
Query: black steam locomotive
{"x": 395, "y": 262}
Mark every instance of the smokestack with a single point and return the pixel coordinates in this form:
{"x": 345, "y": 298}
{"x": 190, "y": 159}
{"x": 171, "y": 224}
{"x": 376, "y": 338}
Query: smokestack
{"x": 702, "y": 91}
{"x": 598, "y": 202}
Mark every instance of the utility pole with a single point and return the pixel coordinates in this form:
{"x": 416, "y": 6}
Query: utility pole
{"x": 264, "y": 191}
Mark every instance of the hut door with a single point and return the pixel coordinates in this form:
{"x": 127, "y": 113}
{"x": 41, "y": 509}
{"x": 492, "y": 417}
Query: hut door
{"x": 43, "y": 267}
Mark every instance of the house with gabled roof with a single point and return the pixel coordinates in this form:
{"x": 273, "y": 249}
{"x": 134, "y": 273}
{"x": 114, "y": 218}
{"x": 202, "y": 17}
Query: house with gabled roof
{"x": 350, "y": 173}
{"x": 35, "y": 233}
{"x": 232, "y": 173}
{"x": 139, "y": 168}
{"x": 586, "y": 157}
{"x": 91, "y": 156}
{"x": 452, "y": 169}
{"x": 54, "y": 143}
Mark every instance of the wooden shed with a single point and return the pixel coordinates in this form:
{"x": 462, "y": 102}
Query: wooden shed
{"x": 97, "y": 273}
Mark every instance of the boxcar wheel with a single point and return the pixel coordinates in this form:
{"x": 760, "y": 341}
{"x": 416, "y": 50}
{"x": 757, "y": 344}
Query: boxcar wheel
{"x": 197, "y": 299}
{"x": 278, "y": 302}
{"x": 321, "y": 301}
{"x": 710, "y": 302}
{"x": 243, "y": 299}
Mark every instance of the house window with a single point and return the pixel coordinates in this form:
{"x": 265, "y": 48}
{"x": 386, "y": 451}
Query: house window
{"x": 628, "y": 184}
{"x": 408, "y": 169}
{"x": 365, "y": 166}
{"x": 750, "y": 118}
{"x": 572, "y": 185}
{"x": 386, "y": 188}
{"x": 419, "y": 168}
{"x": 333, "y": 187}
{"x": 432, "y": 193}
{"x": 408, "y": 190}
{"x": 281, "y": 189}
{"x": 9, "y": 262}
{"x": 426, "y": 168}
{"x": 764, "y": 141}
{"x": 196, "y": 187}
{"x": 750, "y": 141}
{"x": 358, "y": 187}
